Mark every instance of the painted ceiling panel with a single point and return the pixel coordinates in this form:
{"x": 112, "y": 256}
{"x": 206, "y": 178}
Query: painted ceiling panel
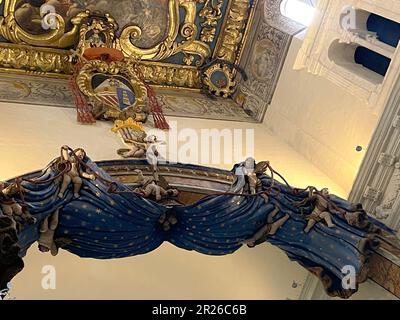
{"x": 175, "y": 32}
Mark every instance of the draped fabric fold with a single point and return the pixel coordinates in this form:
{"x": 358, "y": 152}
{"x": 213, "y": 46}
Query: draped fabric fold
{"x": 104, "y": 225}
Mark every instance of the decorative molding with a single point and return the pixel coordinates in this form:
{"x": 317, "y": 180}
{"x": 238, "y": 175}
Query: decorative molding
{"x": 385, "y": 273}
{"x": 263, "y": 61}
{"x": 386, "y": 160}
{"x": 371, "y": 194}
{"x": 377, "y": 185}
{"x": 56, "y": 92}
{"x": 274, "y": 18}
{"x": 35, "y": 90}
{"x": 39, "y": 61}
{"x": 234, "y": 29}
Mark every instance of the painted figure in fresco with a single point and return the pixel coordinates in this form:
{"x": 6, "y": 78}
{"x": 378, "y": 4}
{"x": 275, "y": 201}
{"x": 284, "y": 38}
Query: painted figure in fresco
{"x": 47, "y": 231}
{"x": 149, "y": 187}
{"x": 322, "y": 209}
{"x": 9, "y": 206}
{"x": 76, "y": 173}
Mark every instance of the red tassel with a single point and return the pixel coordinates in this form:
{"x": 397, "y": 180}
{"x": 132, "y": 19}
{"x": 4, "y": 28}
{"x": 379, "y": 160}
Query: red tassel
{"x": 155, "y": 108}
{"x": 159, "y": 120}
{"x": 82, "y": 108}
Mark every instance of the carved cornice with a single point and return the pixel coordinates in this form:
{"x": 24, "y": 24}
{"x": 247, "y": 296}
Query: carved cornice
{"x": 23, "y": 59}
{"x": 38, "y": 61}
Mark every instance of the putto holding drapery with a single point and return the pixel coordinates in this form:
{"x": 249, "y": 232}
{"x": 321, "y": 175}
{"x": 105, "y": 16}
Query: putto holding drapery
{"x": 111, "y": 220}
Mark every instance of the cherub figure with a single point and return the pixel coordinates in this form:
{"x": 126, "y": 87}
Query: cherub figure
{"x": 246, "y": 177}
{"x": 9, "y": 206}
{"x": 47, "y": 231}
{"x": 75, "y": 173}
{"x": 322, "y": 208}
{"x": 149, "y": 187}
{"x": 137, "y": 151}
{"x": 269, "y": 229}
{"x": 144, "y": 147}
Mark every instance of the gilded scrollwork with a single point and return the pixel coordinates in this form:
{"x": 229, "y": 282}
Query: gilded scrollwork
{"x": 56, "y": 37}
{"x": 188, "y": 30}
{"x": 234, "y": 30}
{"x": 191, "y": 32}
{"x": 170, "y": 75}
{"x": 211, "y": 13}
{"x": 34, "y": 60}
{"x": 126, "y": 68}
{"x": 219, "y": 80}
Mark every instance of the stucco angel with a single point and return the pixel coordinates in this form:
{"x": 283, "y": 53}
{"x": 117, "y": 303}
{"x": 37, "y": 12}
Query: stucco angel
{"x": 75, "y": 173}
{"x": 149, "y": 187}
{"x": 322, "y": 208}
{"x": 247, "y": 177}
{"x": 143, "y": 147}
{"x": 9, "y": 206}
{"x": 269, "y": 229}
{"x": 47, "y": 231}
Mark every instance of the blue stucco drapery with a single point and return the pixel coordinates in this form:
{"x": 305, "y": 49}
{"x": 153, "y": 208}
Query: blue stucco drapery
{"x": 104, "y": 225}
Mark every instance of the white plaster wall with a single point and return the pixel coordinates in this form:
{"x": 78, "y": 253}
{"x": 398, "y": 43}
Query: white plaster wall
{"x": 30, "y": 136}
{"x": 321, "y": 121}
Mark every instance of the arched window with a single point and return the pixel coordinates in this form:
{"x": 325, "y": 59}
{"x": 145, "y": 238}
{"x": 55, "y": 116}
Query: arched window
{"x": 365, "y": 23}
{"x": 387, "y": 31}
{"x": 372, "y": 60}
{"x": 358, "y": 60}
{"x": 301, "y": 11}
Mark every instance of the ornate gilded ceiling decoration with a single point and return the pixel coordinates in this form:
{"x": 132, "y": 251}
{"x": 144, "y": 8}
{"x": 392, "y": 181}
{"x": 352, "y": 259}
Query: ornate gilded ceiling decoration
{"x": 172, "y": 38}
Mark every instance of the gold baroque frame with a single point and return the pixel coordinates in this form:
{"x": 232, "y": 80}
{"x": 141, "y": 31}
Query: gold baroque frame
{"x": 124, "y": 68}
{"x": 234, "y": 34}
{"x": 59, "y": 38}
{"x": 169, "y": 46}
{"x": 56, "y": 38}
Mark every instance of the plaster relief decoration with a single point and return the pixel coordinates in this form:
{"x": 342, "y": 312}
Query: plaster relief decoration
{"x": 263, "y": 65}
{"x": 35, "y": 90}
{"x": 391, "y": 196}
{"x": 198, "y": 106}
{"x": 273, "y": 16}
{"x": 344, "y": 45}
{"x": 40, "y": 91}
{"x": 377, "y": 185}
{"x": 85, "y": 208}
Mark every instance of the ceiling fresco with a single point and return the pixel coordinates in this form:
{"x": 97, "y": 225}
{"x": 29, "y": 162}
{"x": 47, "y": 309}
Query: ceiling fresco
{"x": 151, "y": 16}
